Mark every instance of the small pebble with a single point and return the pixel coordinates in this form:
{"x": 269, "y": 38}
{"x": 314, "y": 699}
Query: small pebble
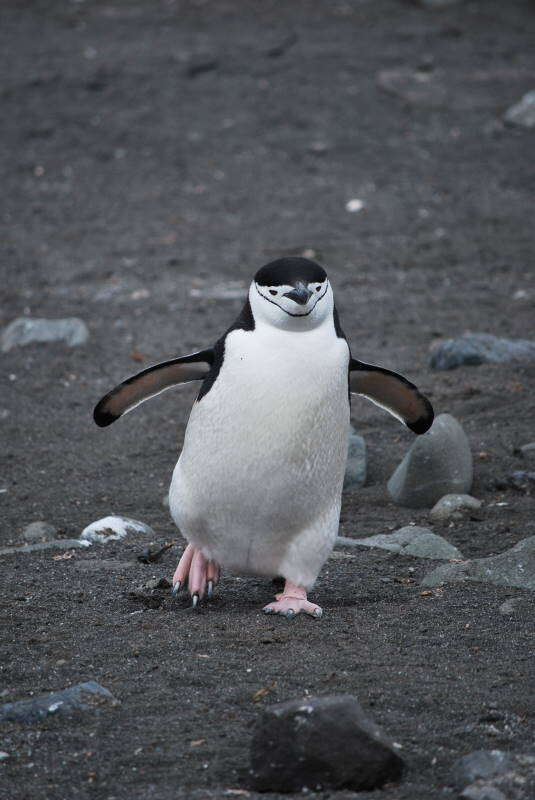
{"x": 38, "y": 531}
{"x": 528, "y": 451}
{"x": 27, "y": 330}
{"x": 522, "y": 113}
{"x": 473, "y": 349}
{"x": 481, "y": 764}
{"x": 354, "y": 206}
{"x": 453, "y": 506}
{"x": 482, "y": 791}
{"x": 508, "y": 606}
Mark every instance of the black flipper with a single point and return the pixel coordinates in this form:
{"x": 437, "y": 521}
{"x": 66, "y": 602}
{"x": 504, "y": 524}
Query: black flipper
{"x": 392, "y": 392}
{"x": 150, "y": 382}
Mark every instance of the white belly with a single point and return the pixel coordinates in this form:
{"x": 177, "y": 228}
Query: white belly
{"x": 258, "y": 484}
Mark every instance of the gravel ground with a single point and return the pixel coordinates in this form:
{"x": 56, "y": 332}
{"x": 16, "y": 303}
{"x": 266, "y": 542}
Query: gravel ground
{"x": 155, "y": 154}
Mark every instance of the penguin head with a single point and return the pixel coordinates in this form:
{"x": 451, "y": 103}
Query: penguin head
{"x": 291, "y": 293}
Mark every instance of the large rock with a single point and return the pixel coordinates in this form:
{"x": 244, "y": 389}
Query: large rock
{"x": 326, "y": 742}
{"x": 409, "y": 541}
{"x": 523, "y": 112}
{"x": 438, "y": 463}
{"x": 26, "y": 330}
{"x": 480, "y": 348}
{"x": 454, "y": 506}
{"x": 109, "y": 529}
{"x": 86, "y": 696}
{"x": 515, "y": 567}
{"x": 355, "y": 475}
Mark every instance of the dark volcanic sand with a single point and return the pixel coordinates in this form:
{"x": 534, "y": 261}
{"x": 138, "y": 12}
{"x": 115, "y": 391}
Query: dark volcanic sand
{"x": 154, "y": 148}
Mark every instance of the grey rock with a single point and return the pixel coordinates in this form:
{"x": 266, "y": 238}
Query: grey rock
{"x": 473, "y": 349}
{"x": 480, "y": 764}
{"x": 430, "y": 86}
{"x": 345, "y": 540}
{"x": 528, "y": 451}
{"x": 36, "y": 531}
{"x": 26, "y": 330}
{"x": 355, "y": 475}
{"x": 326, "y": 742}
{"x": 453, "y": 506}
{"x": 53, "y": 544}
{"x": 437, "y": 463}
{"x": 523, "y": 112}
{"x": 416, "y": 88}
{"x": 112, "y": 528}
{"x": 482, "y": 791}
{"x": 521, "y": 480}
{"x": 410, "y": 541}
{"x": 509, "y": 606}
{"x": 514, "y": 567}
{"x": 88, "y": 696}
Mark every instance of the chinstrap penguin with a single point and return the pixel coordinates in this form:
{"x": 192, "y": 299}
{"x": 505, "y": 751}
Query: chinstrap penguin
{"x": 257, "y": 487}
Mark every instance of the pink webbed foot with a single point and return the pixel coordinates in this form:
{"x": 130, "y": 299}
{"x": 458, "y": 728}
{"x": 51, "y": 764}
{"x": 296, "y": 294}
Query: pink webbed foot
{"x": 292, "y": 601}
{"x": 198, "y": 573}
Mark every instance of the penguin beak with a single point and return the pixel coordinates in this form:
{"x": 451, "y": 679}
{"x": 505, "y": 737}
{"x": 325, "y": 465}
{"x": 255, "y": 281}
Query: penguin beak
{"x": 300, "y": 294}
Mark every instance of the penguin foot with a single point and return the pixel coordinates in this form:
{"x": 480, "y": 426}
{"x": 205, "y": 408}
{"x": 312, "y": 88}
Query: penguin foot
{"x": 293, "y": 601}
{"x": 198, "y": 573}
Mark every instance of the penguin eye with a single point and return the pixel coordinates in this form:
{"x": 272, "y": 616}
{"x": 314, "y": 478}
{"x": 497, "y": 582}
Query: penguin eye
{"x": 318, "y": 287}
{"x": 273, "y": 291}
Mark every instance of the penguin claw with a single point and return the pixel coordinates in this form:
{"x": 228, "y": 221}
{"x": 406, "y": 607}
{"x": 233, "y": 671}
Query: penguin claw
{"x": 197, "y": 573}
{"x": 290, "y": 614}
{"x": 268, "y": 610}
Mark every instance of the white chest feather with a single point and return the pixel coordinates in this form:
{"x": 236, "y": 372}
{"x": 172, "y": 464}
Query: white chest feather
{"x": 265, "y": 448}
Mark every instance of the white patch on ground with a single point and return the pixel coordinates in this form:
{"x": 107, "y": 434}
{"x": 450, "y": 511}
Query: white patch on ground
{"x": 108, "y": 529}
{"x": 354, "y": 206}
